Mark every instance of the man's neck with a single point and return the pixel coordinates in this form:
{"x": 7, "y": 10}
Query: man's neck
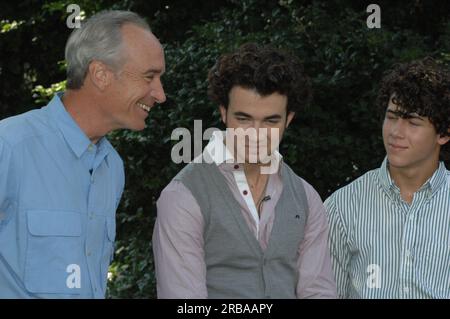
{"x": 252, "y": 170}
{"x": 257, "y": 182}
{"x": 254, "y": 175}
{"x": 410, "y": 179}
{"x": 83, "y": 110}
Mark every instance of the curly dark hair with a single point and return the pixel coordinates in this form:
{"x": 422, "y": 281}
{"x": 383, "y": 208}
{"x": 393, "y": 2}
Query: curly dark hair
{"x": 263, "y": 68}
{"x": 422, "y": 87}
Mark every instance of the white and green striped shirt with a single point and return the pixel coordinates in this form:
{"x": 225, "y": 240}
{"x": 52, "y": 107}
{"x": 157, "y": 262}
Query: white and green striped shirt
{"x": 381, "y": 247}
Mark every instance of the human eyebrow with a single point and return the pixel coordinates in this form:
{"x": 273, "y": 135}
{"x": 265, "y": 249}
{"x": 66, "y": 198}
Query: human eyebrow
{"x": 414, "y": 116}
{"x": 273, "y": 117}
{"x": 242, "y": 114}
{"x": 152, "y": 71}
{"x": 404, "y": 115}
{"x": 392, "y": 112}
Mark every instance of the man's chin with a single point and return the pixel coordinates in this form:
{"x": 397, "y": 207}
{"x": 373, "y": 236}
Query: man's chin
{"x": 397, "y": 161}
{"x": 136, "y": 127}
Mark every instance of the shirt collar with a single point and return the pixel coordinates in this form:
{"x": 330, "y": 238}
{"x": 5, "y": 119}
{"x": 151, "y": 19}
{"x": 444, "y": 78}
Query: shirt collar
{"x": 385, "y": 178}
{"x": 221, "y": 156}
{"x": 72, "y": 133}
{"x": 434, "y": 183}
{"x": 438, "y": 179}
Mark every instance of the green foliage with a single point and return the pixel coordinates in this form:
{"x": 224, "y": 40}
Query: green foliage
{"x": 334, "y": 141}
{"x": 330, "y": 144}
{"x": 44, "y": 95}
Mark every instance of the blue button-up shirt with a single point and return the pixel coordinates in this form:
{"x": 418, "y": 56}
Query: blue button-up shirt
{"x": 58, "y": 198}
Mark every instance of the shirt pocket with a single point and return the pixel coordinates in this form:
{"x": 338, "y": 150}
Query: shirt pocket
{"x": 54, "y": 252}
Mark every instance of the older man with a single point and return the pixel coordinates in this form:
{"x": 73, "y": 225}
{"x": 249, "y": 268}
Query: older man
{"x": 60, "y": 178}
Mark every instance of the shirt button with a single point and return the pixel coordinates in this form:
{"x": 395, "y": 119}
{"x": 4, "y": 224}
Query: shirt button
{"x": 411, "y": 217}
{"x": 90, "y": 147}
{"x": 91, "y": 216}
{"x": 245, "y": 192}
{"x": 88, "y": 253}
{"x": 92, "y": 179}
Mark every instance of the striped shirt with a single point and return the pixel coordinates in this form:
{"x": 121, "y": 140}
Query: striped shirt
{"x": 382, "y": 247}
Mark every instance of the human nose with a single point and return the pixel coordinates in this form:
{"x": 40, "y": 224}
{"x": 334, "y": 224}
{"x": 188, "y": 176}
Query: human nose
{"x": 157, "y": 92}
{"x": 398, "y": 128}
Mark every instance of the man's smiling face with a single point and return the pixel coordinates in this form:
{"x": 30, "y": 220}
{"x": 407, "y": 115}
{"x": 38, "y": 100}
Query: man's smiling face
{"x": 137, "y": 85}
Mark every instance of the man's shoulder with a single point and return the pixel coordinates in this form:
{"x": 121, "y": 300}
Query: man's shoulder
{"x": 361, "y": 185}
{"x": 16, "y": 129}
{"x": 447, "y": 178}
{"x": 114, "y": 154}
{"x": 297, "y": 178}
{"x": 195, "y": 168}
{"x": 349, "y": 201}
{"x": 176, "y": 194}
{"x": 312, "y": 195}
{"x": 285, "y": 168}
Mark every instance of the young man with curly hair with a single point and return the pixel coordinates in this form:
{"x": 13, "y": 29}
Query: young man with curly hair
{"x": 390, "y": 228}
{"x": 228, "y": 229}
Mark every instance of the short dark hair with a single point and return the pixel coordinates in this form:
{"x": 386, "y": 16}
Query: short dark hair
{"x": 422, "y": 87}
{"x": 263, "y": 68}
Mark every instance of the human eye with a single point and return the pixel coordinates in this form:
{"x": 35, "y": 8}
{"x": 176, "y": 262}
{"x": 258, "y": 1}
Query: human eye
{"x": 150, "y": 77}
{"x": 391, "y": 116}
{"x": 414, "y": 122}
{"x": 273, "y": 121}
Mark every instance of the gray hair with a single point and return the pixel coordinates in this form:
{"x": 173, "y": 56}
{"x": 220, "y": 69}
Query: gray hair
{"x": 99, "y": 38}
